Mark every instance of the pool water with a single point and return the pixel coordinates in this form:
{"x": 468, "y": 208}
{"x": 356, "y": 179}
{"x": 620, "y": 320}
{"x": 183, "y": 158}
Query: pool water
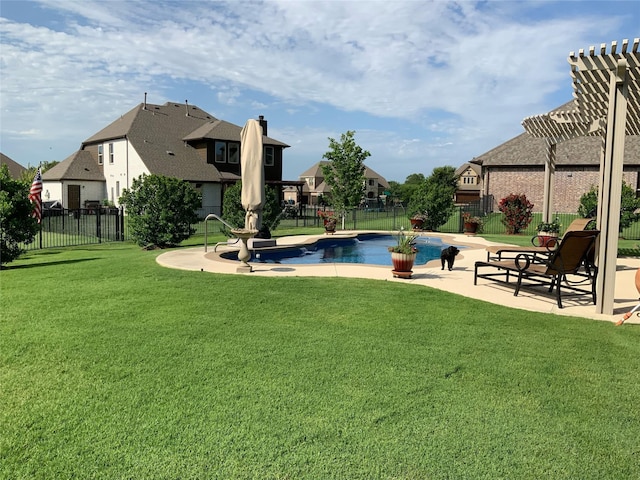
{"x": 369, "y": 249}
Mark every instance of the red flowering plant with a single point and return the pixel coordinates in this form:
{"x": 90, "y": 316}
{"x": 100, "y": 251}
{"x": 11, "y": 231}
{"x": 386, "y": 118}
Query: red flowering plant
{"x": 517, "y": 212}
{"x": 328, "y": 217}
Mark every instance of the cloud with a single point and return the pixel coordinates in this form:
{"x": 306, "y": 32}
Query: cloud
{"x": 458, "y": 72}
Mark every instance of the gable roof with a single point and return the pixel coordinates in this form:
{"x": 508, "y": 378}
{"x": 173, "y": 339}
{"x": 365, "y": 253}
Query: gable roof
{"x": 15, "y": 169}
{"x": 316, "y": 172}
{"x": 477, "y": 169}
{"x": 78, "y": 166}
{"x": 160, "y": 135}
{"x": 525, "y": 150}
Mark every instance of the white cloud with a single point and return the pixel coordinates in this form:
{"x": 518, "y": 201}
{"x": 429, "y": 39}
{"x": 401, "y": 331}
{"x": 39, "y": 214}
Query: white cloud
{"x": 461, "y": 74}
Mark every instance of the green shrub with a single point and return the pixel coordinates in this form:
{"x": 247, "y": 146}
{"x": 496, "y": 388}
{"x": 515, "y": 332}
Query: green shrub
{"x": 161, "y": 210}
{"x": 233, "y": 212}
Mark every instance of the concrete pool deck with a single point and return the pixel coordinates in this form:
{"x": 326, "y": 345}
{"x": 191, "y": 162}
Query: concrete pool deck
{"x": 459, "y": 280}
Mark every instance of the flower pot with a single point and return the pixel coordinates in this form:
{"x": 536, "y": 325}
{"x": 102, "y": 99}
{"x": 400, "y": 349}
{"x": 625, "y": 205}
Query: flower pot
{"x": 329, "y": 227}
{"x": 547, "y": 239}
{"x": 402, "y": 264}
{"x": 416, "y": 223}
{"x": 470, "y": 228}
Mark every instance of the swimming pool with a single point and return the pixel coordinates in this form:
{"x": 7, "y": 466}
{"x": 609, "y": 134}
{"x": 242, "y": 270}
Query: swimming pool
{"x": 369, "y": 249}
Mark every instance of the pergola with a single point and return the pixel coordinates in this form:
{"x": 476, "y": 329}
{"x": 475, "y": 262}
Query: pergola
{"x": 606, "y": 88}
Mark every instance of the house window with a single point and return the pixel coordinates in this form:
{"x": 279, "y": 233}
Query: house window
{"x": 371, "y": 182}
{"x": 269, "y": 156}
{"x": 111, "y": 153}
{"x": 220, "y": 152}
{"x": 100, "y": 155}
{"x": 234, "y": 153}
{"x": 117, "y": 189}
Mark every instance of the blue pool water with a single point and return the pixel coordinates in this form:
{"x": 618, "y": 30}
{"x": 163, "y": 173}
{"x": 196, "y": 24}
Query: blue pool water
{"x": 367, "y": 249}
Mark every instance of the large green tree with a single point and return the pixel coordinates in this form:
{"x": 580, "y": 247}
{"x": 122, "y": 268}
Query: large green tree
{"x": 161, "y": 210}
{"x": 434, "y": 197}
{"x": 344, "y": 173}
{"x": 17, "y": 226}
{"x": 628, "y": 205}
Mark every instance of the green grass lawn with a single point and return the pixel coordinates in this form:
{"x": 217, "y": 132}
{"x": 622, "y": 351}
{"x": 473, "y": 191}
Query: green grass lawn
{"x": 114, "y": 367}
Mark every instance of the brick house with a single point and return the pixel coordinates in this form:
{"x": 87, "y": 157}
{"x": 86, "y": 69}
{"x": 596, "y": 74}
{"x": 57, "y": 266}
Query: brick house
{"x": 517, "y": 166}
{"x": 176, "y": 140}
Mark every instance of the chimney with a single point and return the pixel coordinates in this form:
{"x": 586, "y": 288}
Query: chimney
{"x": 186, "y": 104}
{"x": 263, "y": 124}
{"x": 145, "y": 101}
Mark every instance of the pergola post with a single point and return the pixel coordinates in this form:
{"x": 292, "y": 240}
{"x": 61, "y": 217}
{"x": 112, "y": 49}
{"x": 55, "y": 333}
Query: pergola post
{"x": 610, "y": 192}
{"x": 549, "y": 182}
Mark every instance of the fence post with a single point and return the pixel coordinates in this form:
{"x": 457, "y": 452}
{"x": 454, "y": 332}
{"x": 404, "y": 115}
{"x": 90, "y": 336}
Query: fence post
{"x": 98, "y": 232}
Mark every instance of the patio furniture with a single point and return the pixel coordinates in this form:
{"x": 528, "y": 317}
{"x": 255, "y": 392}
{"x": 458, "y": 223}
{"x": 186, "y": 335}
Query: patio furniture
{"x": 573, "y": 256}
{"x": 497, "y": 252}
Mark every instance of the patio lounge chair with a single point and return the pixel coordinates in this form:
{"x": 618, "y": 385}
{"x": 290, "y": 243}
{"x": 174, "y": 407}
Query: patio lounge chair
{"x": 574, "y": 252}
{"x": 496, "y": 252}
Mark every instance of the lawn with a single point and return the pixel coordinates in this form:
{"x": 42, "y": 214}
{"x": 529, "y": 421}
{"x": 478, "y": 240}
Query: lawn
{"x": 114, "y": 367}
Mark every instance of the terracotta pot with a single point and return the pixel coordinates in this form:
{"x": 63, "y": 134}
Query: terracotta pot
{"x": 329, "y": 226}
{"x": 416, "y": 223}
{"x": 402, "y": 264}
{"x": 547, "y": 239}
{"x": 470, "y": 227}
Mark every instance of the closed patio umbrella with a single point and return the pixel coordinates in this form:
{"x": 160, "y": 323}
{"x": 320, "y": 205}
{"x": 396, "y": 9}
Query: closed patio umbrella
{"x": 252, "y": 174}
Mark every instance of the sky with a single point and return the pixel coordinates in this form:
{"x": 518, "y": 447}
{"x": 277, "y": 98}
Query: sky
{"x": 423, "y": 84}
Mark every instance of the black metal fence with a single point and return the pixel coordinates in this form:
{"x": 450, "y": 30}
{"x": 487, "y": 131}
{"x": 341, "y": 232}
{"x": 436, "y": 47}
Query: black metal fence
{"x": 63, "y": 228}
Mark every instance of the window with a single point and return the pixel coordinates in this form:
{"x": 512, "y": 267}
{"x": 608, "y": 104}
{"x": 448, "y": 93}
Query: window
{"x": 234, "y": 153}
{"x": 117, "y": 189}
{"x": 100, "y": 155}
{"x": 220, "y": 152}
{"x": 111, "y": 153}
{"x": 371, "y": 182}
{"x": 269, "y": 155}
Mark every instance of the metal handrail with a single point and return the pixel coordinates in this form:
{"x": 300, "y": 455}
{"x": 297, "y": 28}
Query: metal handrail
{"x": 212, "y": 216}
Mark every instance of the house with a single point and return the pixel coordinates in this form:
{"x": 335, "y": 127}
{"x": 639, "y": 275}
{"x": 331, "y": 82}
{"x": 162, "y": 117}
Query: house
{"x": 176, "y": 140}
{"x": 15, "y": 169}
{"x": 315, "y": 187}
{"x": 469, "y": 185}
{"x": 517, "y": 166}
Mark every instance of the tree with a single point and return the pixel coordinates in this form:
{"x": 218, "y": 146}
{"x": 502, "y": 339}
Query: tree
{"x": 434, "y": 197}
{"x": 16, "y": 223}
{"x": 517, "y": 212}
{"x": 628, "y": 205}
{"x": 161, "y": 210}
{"x": 345, "y": 171}
{"x": 28, "y": 174}
{"x": 233, "y": 212}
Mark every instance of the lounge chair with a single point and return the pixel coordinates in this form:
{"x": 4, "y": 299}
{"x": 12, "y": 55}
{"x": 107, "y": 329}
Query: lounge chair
{"x": 573, "y": 253}
{"x": 496, "y": 252}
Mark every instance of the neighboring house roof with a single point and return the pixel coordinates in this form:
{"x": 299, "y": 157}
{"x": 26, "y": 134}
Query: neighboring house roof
{"x": 78, "y": 166}
{"x": 222, "y": 130}
{"x": 477, "y": 169}
{"x": 316, "y": 171}
{"x": 15, "y": 169}
{"x": 525, "y": 150}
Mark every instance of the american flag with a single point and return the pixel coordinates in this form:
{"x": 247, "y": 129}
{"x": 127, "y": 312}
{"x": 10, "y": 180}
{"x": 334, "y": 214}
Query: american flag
{"x": 35, "y": 195}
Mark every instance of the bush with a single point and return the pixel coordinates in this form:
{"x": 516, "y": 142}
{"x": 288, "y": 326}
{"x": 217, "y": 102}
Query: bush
{"x": 628, "y": 205}
{"x": 161, "y": 210}
{"x": 233, "y": 213}
{"x": 434, "y": 198}
{"x": 16, "y": 224}
{"x": 517, "y": 212}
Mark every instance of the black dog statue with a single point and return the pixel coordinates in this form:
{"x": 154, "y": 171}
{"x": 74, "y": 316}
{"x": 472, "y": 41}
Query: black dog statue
{"x": 448, "y": 255}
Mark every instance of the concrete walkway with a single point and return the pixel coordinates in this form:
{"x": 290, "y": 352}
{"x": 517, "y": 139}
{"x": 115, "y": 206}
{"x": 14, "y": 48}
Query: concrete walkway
{"x": 459, "y": 280}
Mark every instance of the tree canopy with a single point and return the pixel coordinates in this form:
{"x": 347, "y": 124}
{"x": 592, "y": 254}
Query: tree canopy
{"x": 344, "y": 173}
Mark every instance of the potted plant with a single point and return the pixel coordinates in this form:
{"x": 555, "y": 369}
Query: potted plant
{"x": 472, "y": 224}
{"x": 417, "y": 220}
{"x": 547, "y": 233}
{"x": 403, "y": 255}
{"x": 329, "y": 219}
